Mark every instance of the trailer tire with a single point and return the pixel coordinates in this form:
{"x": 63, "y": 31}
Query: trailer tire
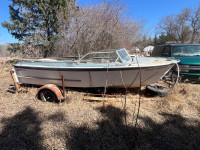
{"x": 47, "y": 95}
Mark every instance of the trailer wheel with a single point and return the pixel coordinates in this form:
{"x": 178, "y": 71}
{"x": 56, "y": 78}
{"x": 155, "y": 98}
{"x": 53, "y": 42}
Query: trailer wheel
{"x": 47, "y": 95}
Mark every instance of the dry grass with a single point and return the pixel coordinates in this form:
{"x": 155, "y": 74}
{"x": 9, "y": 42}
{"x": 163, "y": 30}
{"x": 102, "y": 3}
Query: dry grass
{"x": 170, "y": 122}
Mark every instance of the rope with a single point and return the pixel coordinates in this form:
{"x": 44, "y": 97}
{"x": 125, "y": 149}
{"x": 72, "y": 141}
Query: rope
{"x": 177, "y": 78}
{"x": 140, "y": 93}
{"x": 105, "y": 87}
{"x": 124, "y": 108}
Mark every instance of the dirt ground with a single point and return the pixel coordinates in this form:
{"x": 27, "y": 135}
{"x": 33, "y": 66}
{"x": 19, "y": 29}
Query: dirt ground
{"x": 171, "y": 122}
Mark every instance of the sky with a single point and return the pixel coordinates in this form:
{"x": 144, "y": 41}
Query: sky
{"x": 151, "y": 11}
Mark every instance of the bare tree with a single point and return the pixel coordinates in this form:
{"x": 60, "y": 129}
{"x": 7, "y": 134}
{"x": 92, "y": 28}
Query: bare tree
{"x": 167, "y": 25}
{"x": 97, "y": 27}
{"x": 192, "y": 16}
{"x": 176, "y": 27}
{"x": 183, "y": 27}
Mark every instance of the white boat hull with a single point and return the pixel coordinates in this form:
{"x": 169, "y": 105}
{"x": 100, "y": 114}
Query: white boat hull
{"x": 93, "y": 77}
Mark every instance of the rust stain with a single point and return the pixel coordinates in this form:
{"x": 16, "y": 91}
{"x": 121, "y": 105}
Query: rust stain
{"x": 90, "y": 78}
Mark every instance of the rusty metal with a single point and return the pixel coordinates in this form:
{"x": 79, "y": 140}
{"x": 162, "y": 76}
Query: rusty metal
{"x": 15, "y": 82}
{"x": 63, "y": 85}
{"x": 90, "y": 78}
{"x": 53, "y": 88}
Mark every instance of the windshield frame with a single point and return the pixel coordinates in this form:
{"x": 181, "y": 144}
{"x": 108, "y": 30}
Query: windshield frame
{"x": 107, "y": 56}
{"x": 99, "y": 57}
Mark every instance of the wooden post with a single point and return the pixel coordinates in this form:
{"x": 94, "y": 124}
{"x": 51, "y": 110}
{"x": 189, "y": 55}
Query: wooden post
{"x": 63, "y": 85}
{"x": 15, "y": 82}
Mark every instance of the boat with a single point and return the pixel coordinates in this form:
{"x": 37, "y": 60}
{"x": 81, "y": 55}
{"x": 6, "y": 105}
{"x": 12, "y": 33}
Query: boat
{"x": 110, "y": 68}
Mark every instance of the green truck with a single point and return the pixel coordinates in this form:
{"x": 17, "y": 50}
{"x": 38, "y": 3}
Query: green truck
{"x": 188, "y": 54}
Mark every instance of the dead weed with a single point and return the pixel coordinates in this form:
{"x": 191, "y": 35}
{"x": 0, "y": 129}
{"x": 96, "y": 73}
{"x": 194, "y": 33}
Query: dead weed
{"x": 170, "y": 122}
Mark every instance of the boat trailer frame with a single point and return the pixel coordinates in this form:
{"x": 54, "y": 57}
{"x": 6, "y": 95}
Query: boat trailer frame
{"x": 52, "y": 87}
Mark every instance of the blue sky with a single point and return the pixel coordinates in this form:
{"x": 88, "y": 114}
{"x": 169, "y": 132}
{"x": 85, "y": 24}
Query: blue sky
{"x": 149, "y": 10}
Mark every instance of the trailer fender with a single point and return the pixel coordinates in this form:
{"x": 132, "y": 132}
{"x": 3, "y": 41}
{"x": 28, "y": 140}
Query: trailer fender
{"x": 52, "y": 88}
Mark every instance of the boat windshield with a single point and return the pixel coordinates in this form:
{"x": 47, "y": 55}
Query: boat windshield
{"x": 109, "y": 56}
{"x": 186, "y": 50}
{"x": 124, "y": 56}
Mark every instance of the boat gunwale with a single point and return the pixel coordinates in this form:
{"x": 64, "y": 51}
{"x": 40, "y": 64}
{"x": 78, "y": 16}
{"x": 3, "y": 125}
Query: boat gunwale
{"x": 109, "y": 68}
